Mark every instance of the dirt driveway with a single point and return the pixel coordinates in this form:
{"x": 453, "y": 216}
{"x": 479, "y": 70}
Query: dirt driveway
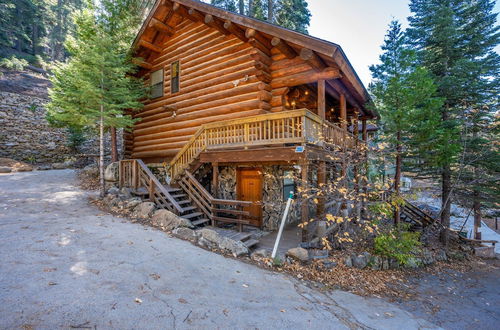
{"x": 66, "y": 265}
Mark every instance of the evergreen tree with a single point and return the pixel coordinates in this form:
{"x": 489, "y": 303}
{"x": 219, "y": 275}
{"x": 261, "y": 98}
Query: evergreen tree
{"x": 95, "y": 86}
{"x": 456, "y": 41}
{"x": 404, "y": 94}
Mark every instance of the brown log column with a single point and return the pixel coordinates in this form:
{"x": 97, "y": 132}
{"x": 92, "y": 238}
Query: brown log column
{"x": 215, "y": 178}
{"x": 343, "y": 125}
{"x": 304, "y": 208}
{"x": 320, "y": 210}
{"x": 358, "y": 155}
{"x": 321, "y": 99}
{"x": 365, "y": 166}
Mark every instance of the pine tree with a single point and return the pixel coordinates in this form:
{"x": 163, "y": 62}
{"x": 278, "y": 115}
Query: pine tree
{"x": 404, "y": 94}
{"x": 95, "y": 86}
{"x": 455, "y": 40}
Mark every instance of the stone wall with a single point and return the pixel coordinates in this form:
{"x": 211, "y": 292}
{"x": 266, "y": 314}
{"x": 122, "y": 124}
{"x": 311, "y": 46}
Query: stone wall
{"x": 26, "y": 135}
{"x": 273, "y": 203}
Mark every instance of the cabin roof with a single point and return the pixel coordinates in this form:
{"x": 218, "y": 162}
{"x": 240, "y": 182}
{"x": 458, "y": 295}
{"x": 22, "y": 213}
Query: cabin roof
{"x": 331, "y": 53}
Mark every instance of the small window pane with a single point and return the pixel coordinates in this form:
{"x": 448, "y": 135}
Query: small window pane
{"x": 156, "y": 81}
{"x": 175, "y": 77}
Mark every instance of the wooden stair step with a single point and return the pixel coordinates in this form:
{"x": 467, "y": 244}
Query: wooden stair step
{"x": 171, "y": 189}
{"x": 250, "y": 243}
{"x": 179, "y": 195}
{"x": 186, "y": 201}
{"x": 189, "y": 208}
{"x": 200, "y": 221}
{"x": 192, "y": 215}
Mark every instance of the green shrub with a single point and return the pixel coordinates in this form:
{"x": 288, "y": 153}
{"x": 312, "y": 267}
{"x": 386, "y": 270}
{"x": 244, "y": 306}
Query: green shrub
{"x": 76, "y": 137}
{"x": 398, "y": 243}
{"x": 14, "y": 63}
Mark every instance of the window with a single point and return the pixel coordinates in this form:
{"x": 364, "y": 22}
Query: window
{"x": 288, "y": 184}
{"x": 175, "y": 73}
{"x": 156, "y": 84}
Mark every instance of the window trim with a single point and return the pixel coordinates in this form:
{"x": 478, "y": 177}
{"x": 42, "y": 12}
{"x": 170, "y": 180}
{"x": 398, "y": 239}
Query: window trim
{"x": 162, "y": 82}
{"x": 178, "y": 77}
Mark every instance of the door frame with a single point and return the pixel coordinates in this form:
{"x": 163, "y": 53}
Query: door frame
{"x": 238, "y": 187}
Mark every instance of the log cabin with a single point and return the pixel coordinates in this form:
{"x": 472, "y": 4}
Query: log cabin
{"x": 238, "y": 108}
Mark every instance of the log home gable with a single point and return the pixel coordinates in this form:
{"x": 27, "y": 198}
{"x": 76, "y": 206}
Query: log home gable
{"x": 230, "y": 67}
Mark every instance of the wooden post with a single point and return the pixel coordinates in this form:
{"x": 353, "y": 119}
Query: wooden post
{"x": 321, "y": 99}
{"x": 120, "y": 174}
{"x": 136, "y": 175}
{"x": 304, "y": 210}
{"x": 356, "y": 164}
{"x": 365, "y": 166}
{"x": 151, "y": 190}
{"x": 215, "y": 179}
{"x": 320, "y": 210}
{"x": 343, "y": 112}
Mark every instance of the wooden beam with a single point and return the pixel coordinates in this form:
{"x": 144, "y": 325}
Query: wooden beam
{"x": 216, "y": 24}
{"x": 148, "y": 45}
{"x": 321, "y": 99}
{"x": 161, "y": 27}
{"x": 306, "y": 77}
{"x": 283, "y": 47}
{"x": 312, "y": 58}
{"x": 236, "y": 30}
{"x": 304, "y": 208}
{"x": 142, "y": 64}
{"x": 364, "y": 129}
{"x": 281, "y": 154}
{"x": 215, "y": 179}
{"x": 251, "y": 33}
{"x": 343, "y": 113}
{"x": 195, "y": 15}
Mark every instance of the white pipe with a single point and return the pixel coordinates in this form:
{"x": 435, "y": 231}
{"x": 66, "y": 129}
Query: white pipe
{"x": 282, "y": 225}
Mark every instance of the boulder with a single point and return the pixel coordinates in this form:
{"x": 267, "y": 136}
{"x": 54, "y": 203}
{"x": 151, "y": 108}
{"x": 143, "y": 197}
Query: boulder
{"x": 111, "y": 200}
{"x": 328, "y": 264}
{"x": 298, "y": 253}
{"x": 348, "y": 262}
{"x": 111, "y": 172}
{"x": 360, "y": 261}
{"x": 375, "y": 263}
{"x": 131, "y": 203}
{"x": 91, "y": 170}
{"x": 168, "y": 221}
{"x": 113, "y": 191}
{"x": 58, "y": 166}
{"x": 144, "y": 209}
{"x": 441, "y": 255}
{"x": 5, "y": 169}
{"x": 413, "y": 263}
{"x": 211, "y": 239}
{"x": 185, "y": 234}
{"x": 126, "y": 192}
{"x": 260, "y": 253}
{"x": 484, "y": 251}
{"x": 24, "y": 168}
{"x": 427, "y": 258}
{"x": 237, "y": 248}
{"x": 211, "y": 236}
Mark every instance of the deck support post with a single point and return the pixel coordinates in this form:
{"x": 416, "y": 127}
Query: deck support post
{"x": 304, "y": 208}
{"x": 321, "y": 99}
{"x": 215, "y": 178}
{"x": 365, "y": 166}
{"x": 355, "y": 124}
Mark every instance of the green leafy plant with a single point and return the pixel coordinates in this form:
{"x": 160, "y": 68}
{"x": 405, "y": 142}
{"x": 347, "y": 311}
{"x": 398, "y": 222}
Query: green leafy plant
{"x": 398, "y": 243}
{"x": 33, "y": 107}
{"x": 14, "y": 63}
{"x": 76, "y": 137}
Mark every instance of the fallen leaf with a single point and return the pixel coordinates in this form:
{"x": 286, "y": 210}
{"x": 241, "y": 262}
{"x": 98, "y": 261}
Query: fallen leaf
{"x": 182, "y": 301}
{"x": 137, "y": 300}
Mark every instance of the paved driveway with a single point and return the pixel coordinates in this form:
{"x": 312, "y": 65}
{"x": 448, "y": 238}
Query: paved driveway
{"x": 64, "y": 264}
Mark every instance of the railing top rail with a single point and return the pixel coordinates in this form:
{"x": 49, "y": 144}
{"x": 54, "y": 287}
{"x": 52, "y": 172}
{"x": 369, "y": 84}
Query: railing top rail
{"x": 159, "y": 186}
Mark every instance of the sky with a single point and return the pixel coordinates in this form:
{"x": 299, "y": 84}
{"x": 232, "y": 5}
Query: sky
{"x": 358, "y": 26}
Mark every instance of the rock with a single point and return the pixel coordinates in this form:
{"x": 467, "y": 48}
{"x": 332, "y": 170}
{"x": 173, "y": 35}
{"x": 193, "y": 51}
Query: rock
{"x": 260, "y": 253}
{"x": 360, "y": 261}
{"x": 126, "y": 192}
{"x": 131, "y": 203}
{"x": 211, "y": 239}
{"x": 58, "y": 166}
{"x": 91, "y": 170}
{"x": 44, "y": 167}
{"x": 348, "y": 262}
{"x": 168, "y": 221}
{"x": 375, "y": 263}
{"x": 5, "y": 169}
{"x": 385, "y": 264}
{"x": 111, "y": 172}
{"x": 328, "y": 264}
{"x": 484, "y": 251}
{"x": 144, "y": 209}
{"x": 457, "y": 255}
{"x": 441, "y": 255}
{"x": 412, "y": 263}
{"x": 427, "y": 258}
{"x": 393, "y": 264}
{"x": 113, "y": 191}
{"x": 185, "y": 234}
{"x": 298, "y": 253}
{"x": 111, "y": 200}
{"x": 24, "y": 168}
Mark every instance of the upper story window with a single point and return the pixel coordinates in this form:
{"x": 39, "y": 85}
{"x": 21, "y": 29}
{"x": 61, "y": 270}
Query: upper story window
{"x": 175, "y": 74}
{"x": 156, "y": 84}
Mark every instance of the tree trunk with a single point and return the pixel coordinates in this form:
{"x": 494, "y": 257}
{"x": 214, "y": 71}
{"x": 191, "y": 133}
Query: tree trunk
{"x": 241, "y": 5}
{"x": 250, "y": 8}
{"x": 34, "y": 38}
{"x": 101, "y": 154}
{"x": 397, "y": 177}
{"x": 445, "y": 202}
{"x": 270, "y": 10}
{"x": 477, "y": 215}
{"x": 114, "y": 145}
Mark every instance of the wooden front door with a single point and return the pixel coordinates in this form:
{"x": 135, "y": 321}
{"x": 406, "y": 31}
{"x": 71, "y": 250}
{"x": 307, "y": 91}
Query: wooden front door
{"x": 250, "y": 189}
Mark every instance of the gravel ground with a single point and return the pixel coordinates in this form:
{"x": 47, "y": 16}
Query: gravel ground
{"x": 65, "y": 265}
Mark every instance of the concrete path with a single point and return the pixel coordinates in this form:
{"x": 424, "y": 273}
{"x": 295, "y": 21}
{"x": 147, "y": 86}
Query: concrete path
{"x": 64, "y": 264}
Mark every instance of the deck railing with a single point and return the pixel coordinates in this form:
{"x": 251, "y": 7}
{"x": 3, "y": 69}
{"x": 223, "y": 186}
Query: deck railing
{"x": 287, "y": 127}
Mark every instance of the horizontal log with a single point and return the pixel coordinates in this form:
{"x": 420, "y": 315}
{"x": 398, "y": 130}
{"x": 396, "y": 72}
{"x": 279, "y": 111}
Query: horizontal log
{"x": 288, "y": 71}
{"x": 306, "y": 78}
{"x": 236, "y": 30}
{"x": 259, "y": 56}
{"x": 312, "y": 58}
{"x": 285, "y": 63}
{"x": 283, "y": 46}
{"x": 162, "y": 146}
{"x": 142, "y": 64}
{"x": 175, "y": 133}
{"x": 161, "y": 27}
{"x": 253, "y": 34}
{"x": 216, "y": 24}
{"x": 162, "y": 141}
{"x": 258, "y": 45}
{"x": 148, "y": 45}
